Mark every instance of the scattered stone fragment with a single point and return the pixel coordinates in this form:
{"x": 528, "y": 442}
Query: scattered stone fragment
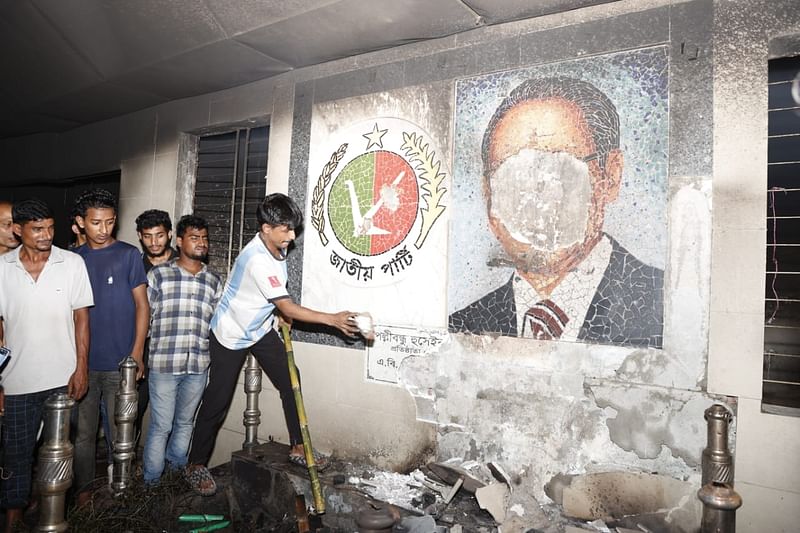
{"x": 494, "y": 498}
{"x": 500, "y": 474}
{"x": 475, "y": 474}
{"x": 417, "y": 524}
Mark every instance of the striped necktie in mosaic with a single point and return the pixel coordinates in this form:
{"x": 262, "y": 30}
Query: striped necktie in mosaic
{"x": 544, "y": 321}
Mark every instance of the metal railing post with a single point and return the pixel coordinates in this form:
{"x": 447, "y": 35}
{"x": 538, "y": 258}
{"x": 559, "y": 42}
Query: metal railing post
{"x": 54, "y": 473}
{"x": 125, "y": 408}
{"x": 717, "y": 462}
{"x": 720, "y": 502}
{"x": 719, "y": 499}
{"x": 252, "y": 414}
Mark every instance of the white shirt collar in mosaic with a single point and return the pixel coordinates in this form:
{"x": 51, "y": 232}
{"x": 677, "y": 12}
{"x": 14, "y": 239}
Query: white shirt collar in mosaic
{"x": 573, "y": 295}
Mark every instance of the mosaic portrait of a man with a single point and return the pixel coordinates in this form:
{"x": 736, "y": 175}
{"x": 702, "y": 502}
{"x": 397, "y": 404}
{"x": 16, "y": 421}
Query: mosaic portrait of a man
{"x": 552, "y": 166}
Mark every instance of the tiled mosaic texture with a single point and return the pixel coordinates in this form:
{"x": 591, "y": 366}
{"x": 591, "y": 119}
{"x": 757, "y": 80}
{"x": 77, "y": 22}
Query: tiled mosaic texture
{"x": 612, "y": 289}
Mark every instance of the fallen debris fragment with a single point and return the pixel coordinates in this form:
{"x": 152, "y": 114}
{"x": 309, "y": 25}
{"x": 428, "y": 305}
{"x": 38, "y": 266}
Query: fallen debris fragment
{"x": 494, "y": 498}
{"x": 475, "y": 474}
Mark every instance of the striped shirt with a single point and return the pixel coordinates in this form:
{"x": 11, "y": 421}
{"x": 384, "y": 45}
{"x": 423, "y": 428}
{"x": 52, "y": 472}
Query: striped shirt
{"x": 181, "y": 306}
{"x": 246, "y": 311}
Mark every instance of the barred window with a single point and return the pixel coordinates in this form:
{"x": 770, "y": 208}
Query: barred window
{"x": 230, "y": 184}
{"x": 781, "y": 377}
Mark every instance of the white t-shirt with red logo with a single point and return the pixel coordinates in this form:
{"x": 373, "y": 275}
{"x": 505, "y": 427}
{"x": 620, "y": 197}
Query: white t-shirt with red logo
{"x": 245, "y": 312}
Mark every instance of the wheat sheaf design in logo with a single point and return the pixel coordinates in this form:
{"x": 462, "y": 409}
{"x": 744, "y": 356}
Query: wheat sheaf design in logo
{"x": 382, "y": 199}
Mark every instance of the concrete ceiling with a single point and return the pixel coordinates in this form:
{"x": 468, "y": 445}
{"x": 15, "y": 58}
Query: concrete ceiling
{"x": 66, "y": 63}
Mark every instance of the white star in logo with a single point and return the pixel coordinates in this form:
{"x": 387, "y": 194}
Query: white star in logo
{"x": 374, "y": 137}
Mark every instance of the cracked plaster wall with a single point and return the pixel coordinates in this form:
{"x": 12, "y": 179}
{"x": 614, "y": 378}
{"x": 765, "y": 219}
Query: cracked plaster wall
{"x": 545, "y": 408}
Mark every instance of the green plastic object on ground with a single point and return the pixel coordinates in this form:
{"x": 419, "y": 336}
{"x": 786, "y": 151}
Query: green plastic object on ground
{"x": 200, "y": 517}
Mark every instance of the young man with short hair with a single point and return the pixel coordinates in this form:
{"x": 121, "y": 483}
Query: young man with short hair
{"x": 78, "y": 235}
{"x": 44, "y": 299}
{"x": 118, "y": 321}
{"x": 183, "y": 294}
{"x": 245, "y": 321}
{"x": 154, "y": 229}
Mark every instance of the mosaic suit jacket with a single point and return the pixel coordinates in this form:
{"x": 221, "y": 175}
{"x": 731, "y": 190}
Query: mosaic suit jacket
{"x": 627, "y": 308}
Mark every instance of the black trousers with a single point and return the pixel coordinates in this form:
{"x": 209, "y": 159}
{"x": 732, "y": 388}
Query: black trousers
{"x": 224, "y": 371}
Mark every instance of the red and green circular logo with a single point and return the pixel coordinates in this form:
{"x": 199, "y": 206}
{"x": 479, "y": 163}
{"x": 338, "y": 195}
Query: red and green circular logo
{"x": 373, "y": 203}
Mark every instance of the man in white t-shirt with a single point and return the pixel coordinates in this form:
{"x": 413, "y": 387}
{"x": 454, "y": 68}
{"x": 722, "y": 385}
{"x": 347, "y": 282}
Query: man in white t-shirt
{"x": 244, "y": 321}
{"x": 44, "y": 299}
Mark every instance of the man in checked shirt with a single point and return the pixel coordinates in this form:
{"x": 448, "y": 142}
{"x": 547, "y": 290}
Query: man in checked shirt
{"x": 182, "y": 294}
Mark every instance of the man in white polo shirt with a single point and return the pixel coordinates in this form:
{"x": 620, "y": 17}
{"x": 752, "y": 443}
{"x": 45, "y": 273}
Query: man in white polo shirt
{"x": 245, "y": 321}
{"x": 44, "y": 299}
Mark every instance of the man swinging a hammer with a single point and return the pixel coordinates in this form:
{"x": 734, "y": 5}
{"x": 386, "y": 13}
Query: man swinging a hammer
{"x": 245, "y": 321}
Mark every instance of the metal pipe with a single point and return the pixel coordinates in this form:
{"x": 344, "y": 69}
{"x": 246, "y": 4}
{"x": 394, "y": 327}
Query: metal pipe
{"x": 244, "y": 188}
{"x": 720, "y": 502}
{"x": 717, "y": 462}
{"x": 125, "y": 408}
{"x": 54, "y": 470}
{"x": 316, "y": 488}
{"x": 252, "y": 414}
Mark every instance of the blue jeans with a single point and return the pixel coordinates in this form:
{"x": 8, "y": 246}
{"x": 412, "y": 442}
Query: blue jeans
{"x": 173, "y": 403}
{"x": 103, "y": 387}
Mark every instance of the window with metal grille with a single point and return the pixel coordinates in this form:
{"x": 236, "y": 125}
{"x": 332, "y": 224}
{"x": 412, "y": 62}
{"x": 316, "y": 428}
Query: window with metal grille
{"x": 781, "y": 381}
{"x": 230, "y": 184}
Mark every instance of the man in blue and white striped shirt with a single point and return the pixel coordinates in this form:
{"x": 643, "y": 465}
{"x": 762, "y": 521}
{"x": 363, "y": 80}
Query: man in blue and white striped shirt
{"x": 183, "y": 294}
{"x": 245, "y": 321}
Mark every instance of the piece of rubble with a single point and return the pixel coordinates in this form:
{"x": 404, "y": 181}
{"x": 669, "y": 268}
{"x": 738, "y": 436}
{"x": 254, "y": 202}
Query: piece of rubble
{"x": 500, "y": 474}
{"x": 417, "y": 524}
{"x": 450, "y": 495}
{"x": 494, "y": 498}
{"x": 475, "y": 474}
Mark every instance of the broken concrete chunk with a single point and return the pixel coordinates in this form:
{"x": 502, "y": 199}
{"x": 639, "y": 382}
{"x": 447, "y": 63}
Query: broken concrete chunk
{"x": 417, "y": 524}
{"x": 500, "y": 474}
{"x": 494, "y": 498}
{"x": 475, "y": 474}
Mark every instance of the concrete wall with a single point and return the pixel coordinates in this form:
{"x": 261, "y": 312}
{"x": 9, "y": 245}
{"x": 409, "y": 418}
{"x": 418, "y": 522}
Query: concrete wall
{"x": 538, "y": 408}
{"x": 747, "y": 34}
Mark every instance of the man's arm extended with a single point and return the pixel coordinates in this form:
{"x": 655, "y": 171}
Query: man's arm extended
{"x": 79, "y": 380}
{"x": 142, "y": 323}
{"x": 344, "y": 321}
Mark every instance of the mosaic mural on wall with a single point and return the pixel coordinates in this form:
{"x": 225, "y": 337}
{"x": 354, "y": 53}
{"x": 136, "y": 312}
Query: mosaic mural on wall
{"x": 558, "y": 229}
{"x": 376, "y": 231}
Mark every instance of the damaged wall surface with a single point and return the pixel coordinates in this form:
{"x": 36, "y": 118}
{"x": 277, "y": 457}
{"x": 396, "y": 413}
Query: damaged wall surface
{"x": 541, "y": 409}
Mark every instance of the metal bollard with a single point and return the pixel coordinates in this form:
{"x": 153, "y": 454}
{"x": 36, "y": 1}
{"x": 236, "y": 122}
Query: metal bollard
{"x": 54, "y": 472}
{"x": 717, "y": 462}
{"x": 719, "y": 499}
{"x": 125, "y": 408}
{"x": 720, "y": 502}
{"x": 252, "y": 414}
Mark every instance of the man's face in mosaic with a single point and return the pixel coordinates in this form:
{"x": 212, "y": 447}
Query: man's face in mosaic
{"x": 546, "y": 186}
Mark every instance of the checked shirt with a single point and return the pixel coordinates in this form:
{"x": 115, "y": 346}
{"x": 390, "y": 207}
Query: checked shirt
{"x": 181, "y": 306}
